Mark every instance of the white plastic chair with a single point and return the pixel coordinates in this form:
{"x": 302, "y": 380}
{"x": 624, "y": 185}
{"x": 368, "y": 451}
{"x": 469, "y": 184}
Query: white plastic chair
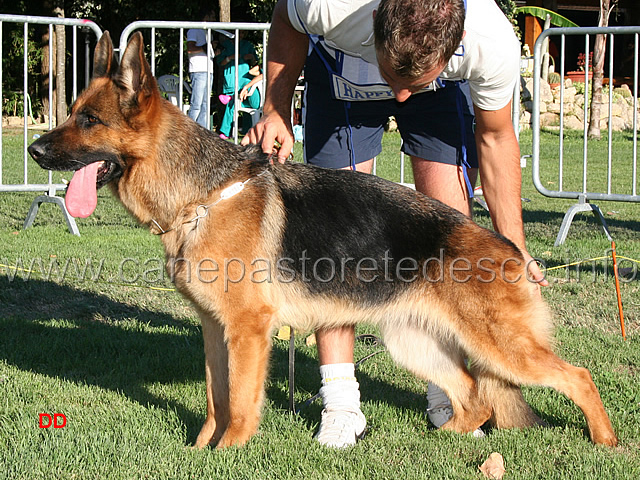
{"x": 170, "y": 86}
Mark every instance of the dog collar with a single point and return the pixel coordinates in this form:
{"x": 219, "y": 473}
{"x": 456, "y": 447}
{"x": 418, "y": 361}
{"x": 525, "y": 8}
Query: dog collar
{"x": 203, "y": 210}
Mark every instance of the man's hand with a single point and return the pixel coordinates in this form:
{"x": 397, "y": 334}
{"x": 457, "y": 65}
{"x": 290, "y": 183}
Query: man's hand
{"x": 272, "y": 132}
{"x": 534, "y": 274}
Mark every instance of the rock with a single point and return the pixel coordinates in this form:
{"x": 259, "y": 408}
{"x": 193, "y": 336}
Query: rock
{"x": 616, "y": 111}
{"x": 627, "y": 117}
{"x": 13, "y": 121}
{"x": 573, "y": 106}
{"x": 572, "y": 122}
{"x": 545, "y": 92}
{"x": 618, "y": 124}
{"x": 549, "y": 119}
{"x": 569, "y": 95}
{"x": 555, "y": 108}
{"x": 624, "y": 90}
{"x": 528, "y": 106}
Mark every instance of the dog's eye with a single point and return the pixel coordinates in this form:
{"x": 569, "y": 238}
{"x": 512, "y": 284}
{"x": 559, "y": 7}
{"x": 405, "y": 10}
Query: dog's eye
{"x": 87, "y": 120}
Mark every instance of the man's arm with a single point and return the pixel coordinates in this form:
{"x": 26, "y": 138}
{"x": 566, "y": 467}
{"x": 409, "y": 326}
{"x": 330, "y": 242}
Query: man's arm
{"x": 499, "y": 163}
{"x": 286, "y": 52}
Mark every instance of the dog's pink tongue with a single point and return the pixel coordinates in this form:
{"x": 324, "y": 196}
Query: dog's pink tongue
{"x": 82, "y": 196}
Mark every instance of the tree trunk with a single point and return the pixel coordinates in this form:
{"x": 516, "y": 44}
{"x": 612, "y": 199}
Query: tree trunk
{"x": 544, "y": 74}
{"x": 599, "y": 50}
{"x": 61, "y": 103}
{"x": 225, "y": 10}
{"x": 44, "y": 70}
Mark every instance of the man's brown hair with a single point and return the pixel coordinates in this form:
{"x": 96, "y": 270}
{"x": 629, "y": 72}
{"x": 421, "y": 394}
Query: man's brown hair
{"x": 416, "y": 36}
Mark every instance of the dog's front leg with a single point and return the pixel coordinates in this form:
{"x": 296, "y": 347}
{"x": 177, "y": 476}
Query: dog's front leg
{"x": 248, "y": 343}
{"x": 217, "y": 378}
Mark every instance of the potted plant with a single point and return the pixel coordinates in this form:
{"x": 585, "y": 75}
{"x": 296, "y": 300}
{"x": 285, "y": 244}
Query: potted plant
{"x": 579, "y": 75}
{"x": 554, "y": 79}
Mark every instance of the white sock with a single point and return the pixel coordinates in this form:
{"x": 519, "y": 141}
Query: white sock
{"x": 340, "y": 389}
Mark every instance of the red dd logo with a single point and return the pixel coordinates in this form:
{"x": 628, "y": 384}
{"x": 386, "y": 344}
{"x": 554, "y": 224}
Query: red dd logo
{"x": 57, "y": 420}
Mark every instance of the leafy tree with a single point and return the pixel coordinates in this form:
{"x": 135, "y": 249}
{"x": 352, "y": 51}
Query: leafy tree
{"x": 12, "y": 77}
{"x": 599, "y": 50}
{"x": 261, "y": 10}
{"x": 542, "y": 13}
{"x": 508, "y": 7}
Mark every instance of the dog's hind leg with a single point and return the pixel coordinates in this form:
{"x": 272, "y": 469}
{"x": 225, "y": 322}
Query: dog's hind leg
{"x": 545, "y": 368}
{"x": 443, "y": 363}
{"x": 217, "y": 378}
{"x": 518, "y": 351}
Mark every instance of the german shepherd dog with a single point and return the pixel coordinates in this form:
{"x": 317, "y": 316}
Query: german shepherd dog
{"x": 255, "y": 244}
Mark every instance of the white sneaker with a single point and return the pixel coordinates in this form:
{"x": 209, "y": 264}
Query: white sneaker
{"x": 341, "y": 427}
{"x": 441, "y": 413}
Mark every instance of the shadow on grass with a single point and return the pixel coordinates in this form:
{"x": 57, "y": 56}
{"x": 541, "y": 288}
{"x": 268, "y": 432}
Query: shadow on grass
{"x": 546, "y": 224}
{"x": 554, "y": 218}
{"x": 88, "y": 338}
{"x": 587, "y": 223}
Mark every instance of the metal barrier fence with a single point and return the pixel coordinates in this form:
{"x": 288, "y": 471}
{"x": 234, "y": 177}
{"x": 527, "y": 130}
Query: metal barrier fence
{"x": 229, "y": 29}
{"x": 618, "y": 166}
{"x": 25, "y": 184}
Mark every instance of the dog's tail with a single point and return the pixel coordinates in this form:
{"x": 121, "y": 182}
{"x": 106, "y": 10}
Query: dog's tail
{"x": 510, "y": 410}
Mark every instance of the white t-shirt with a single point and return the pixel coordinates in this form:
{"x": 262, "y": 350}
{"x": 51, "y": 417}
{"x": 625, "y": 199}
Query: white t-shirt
{"x": 491, "y": 56}
{"x": 198, "y": 61}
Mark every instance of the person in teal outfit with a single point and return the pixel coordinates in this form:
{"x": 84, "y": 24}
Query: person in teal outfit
{"x": 226, "y": 60}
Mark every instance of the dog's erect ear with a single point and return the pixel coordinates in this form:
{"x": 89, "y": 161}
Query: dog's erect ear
{"x": 134, "y": 75}
{"x": 104, "y": 60}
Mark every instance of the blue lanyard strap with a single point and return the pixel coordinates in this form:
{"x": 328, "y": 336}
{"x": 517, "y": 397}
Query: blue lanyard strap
{"x": 463, "y": 135}
{"x": 463, "y": 130}
{"x": 314, "y": 43}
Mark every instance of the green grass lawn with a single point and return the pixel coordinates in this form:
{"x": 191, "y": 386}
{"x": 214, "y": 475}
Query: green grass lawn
{"x": 125, "y": 363}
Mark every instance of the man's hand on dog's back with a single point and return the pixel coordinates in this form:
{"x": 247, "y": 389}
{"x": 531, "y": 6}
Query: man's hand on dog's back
{"x": 272, "y": 132}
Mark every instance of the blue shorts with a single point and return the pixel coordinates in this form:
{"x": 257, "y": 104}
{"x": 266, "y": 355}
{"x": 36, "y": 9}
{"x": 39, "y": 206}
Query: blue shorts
{"x": 429, "y": 123}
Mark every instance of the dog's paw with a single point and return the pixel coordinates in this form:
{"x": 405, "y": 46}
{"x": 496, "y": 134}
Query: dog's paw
{"x": 608, "y": 439}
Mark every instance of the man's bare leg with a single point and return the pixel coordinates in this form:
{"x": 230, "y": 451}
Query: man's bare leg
{"x": 342, "y": 422}
{"x": 444, "y": 182}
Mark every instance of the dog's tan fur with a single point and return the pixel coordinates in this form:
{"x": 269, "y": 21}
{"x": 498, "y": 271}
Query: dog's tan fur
{"x": 169, "y": 166}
